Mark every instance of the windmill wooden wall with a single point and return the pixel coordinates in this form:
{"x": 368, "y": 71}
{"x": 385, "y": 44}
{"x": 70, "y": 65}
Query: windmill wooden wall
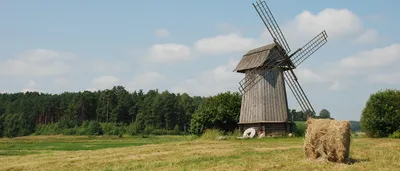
{"x": 266, "y": 100}
{"x": 264, "y": 106}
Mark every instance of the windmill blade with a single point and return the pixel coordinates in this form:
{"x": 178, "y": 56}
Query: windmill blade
{"x": 274, "y": 59}
{"x": 309, "y": 48}
{"x": 269, "y": 21}
{"x": 297, "y": 91}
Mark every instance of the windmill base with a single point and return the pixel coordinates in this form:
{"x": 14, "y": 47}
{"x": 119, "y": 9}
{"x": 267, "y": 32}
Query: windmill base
{"x": 270, "y": 128}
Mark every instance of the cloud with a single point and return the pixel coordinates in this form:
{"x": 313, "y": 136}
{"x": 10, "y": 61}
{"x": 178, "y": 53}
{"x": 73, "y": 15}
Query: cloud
{"x": 60, "y": 82}
{"x": 220, "y": 79}
{"x": 306, "y": 75}
{"x": 369, "y": 36}
{"x": 162, "y": 33}
{"x": 37, "y": 62}
{"x": 224, "y": 44}
{"x": 147, "y": 80}
{"x": 31, "y": 83}
{"x": 24, "y": 90}
{"x": 378, "y": 65}
{"x": 169, "y": 53}
{"x": 30, "y": 87}
{"x": 104, "y": 82}
{"x": 379, "y": 57}
{"x": 338, "y": 23}
{"x": 107, "y": 67}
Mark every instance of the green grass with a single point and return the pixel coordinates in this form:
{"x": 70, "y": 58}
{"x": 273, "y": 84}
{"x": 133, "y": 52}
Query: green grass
{"x": 73, "y": 143}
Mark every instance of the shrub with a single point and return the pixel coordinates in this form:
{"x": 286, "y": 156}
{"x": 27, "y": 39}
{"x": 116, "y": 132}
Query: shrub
{"x": 132, "y": 129}
{"x": 219, "y": 112}
{"x": 395, "y": 135}
{"x": 299, "y": 129}
{"x": 381, "y": 115}
{"x": 148, "y": 130}
{"x": 94, "y": 128}
{"x": 113, "y": 129}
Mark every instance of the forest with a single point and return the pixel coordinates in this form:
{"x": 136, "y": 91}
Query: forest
{"x": 117, "y": 111}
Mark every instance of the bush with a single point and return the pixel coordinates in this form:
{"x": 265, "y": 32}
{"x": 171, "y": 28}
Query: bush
{"x": 132, "y": 129}
{"x": 148, "y": 130}
{"x": 219, "y": 112}
{"x": 94, "y": 128}
{"x": 395, "y": 135}
{"x": 381, "y": 115}
{"x": 299, "y": 129}
{"x": 113, "y": 129}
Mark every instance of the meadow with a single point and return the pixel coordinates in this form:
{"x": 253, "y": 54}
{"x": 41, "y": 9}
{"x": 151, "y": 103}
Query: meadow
{"x": 184, "y": 153}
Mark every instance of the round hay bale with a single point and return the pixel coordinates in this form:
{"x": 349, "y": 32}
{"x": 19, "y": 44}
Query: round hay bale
{"x": 327, "y": 139}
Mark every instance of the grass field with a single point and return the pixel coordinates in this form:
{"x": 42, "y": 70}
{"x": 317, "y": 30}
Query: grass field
{"x": 184, "y": 153}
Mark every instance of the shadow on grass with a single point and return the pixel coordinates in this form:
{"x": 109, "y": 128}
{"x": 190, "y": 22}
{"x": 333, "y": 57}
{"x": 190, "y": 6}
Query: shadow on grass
{"x": 16, "y": 153}
{"x": 351, "y": 161}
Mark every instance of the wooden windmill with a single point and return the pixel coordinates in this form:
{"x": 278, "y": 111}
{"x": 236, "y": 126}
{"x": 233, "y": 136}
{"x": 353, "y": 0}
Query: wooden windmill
{"x": 267, "y": 69}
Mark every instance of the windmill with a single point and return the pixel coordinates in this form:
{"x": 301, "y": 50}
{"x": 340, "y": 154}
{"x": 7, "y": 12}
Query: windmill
{"x": 267, "y": 70}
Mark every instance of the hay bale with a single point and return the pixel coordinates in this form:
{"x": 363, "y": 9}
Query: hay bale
{"x": 327, "y": 139}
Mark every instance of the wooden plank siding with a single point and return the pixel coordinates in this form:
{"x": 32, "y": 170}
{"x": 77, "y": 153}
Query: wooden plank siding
{"x": 266, "y": 100}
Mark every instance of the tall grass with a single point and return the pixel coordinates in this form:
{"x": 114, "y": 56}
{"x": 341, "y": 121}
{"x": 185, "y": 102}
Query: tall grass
{"x": 211, "y": 134}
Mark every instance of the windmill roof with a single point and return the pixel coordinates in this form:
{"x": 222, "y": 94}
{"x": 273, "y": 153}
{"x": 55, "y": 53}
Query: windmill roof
{"x": 254, "y": 58}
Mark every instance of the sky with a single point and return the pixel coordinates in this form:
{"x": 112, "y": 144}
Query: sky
{"x": 193, "y": 47}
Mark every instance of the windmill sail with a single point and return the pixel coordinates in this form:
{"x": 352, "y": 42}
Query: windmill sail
{"x": 271, "y": 24}
{"x": 294, "y": 85}
{"x": 309, "y": 48}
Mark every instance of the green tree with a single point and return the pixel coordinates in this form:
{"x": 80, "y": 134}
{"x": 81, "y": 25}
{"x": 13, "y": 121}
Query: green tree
{"x": 220, "y": 112}
{"x": 324, "y": 114}
{"x": 381, "y": 114}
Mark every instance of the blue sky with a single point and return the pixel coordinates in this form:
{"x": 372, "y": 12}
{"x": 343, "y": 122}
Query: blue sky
{"x": 193, "y": 46}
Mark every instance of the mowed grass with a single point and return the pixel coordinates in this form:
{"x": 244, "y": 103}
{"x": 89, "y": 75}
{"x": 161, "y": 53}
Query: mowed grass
{"x": 73, "y": 143}
{"x": 184, "y": 153}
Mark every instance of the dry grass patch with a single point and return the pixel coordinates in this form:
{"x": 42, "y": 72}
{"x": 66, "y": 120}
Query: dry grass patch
{"x": 258, "y": 154}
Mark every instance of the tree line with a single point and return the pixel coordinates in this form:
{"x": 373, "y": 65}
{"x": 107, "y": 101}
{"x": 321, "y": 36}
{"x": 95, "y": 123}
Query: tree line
{"x": 116, "y": 111}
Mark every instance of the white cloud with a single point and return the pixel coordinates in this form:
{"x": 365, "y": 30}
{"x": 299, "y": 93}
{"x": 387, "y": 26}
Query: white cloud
{"x": 369, "y": 36}
{"x": 107, "y": 67}
{"x": 338, "y": 23}
{"x": 30, "y": 87}
{"x": 220, "y": 79}
{"x": 104, "y": 82}
{"x": 169, "y": 53}
{"x": 147, "y": 80}
{"x": 92, "y": 89}
{"x": 224, "y": 44}
{"x": 378, "y": 65}
{"x": 162, "y": 33}
{"x": 31, "y": 83}
{"x": 379, "y": 57}
{"x": 306, "y": 75}
{"x": 60, "y": 82}
{"x": 37, "y": 62}
{"x": 24, "y": 90}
